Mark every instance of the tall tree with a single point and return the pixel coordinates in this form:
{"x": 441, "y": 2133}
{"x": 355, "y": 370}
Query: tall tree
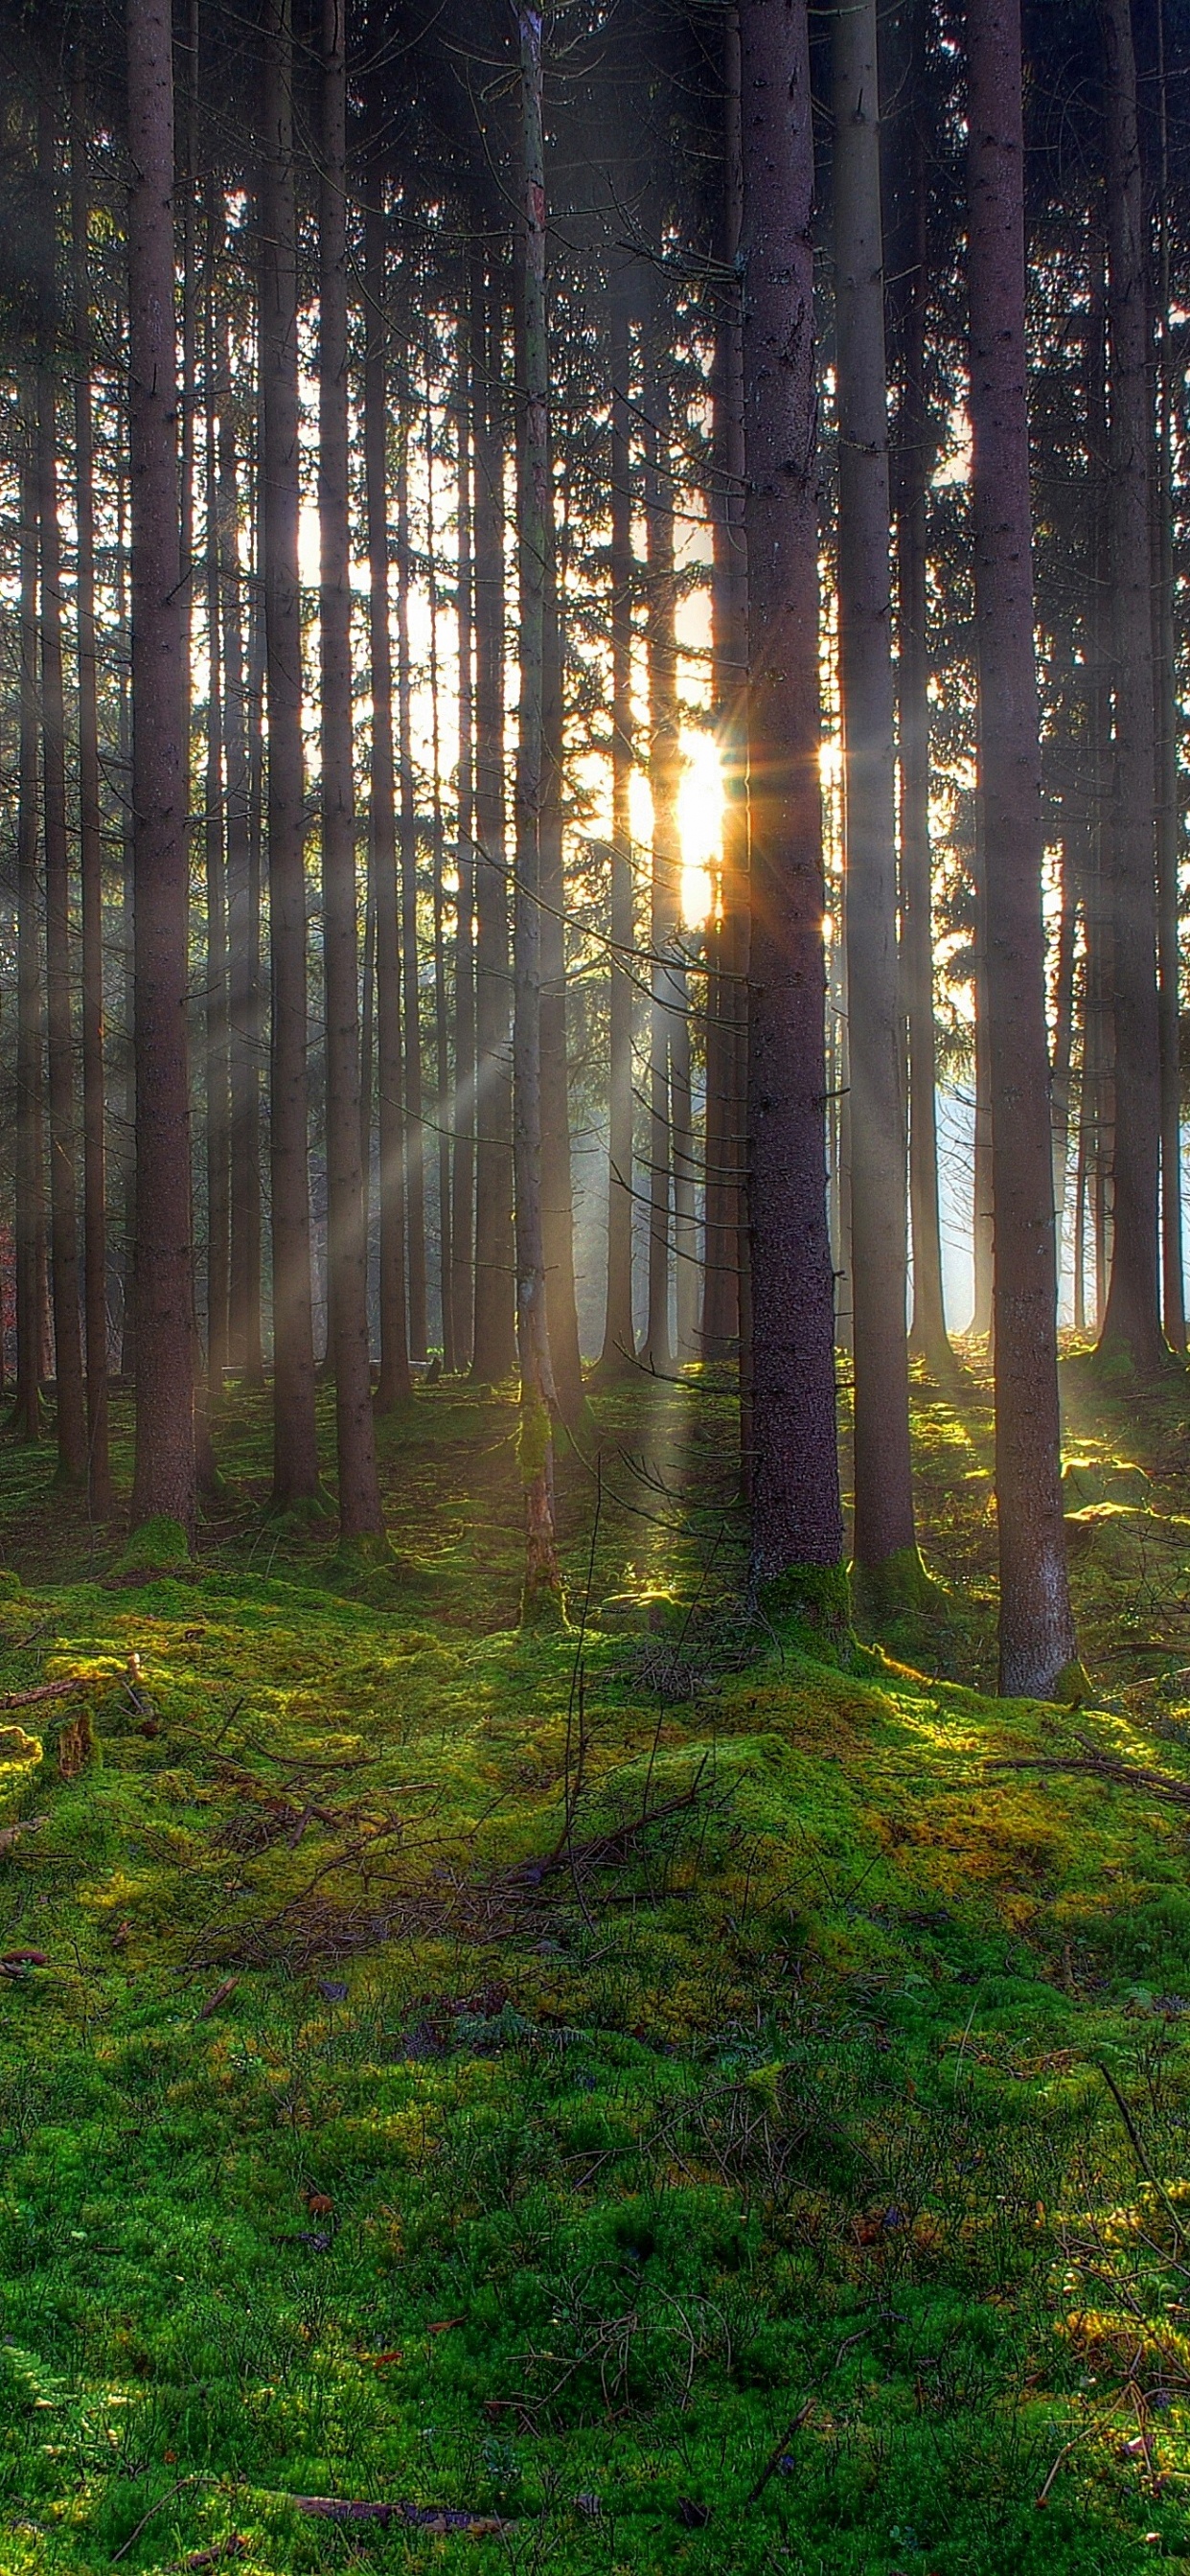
{"x": 797, "y": 1527}
{"x": 99, "y": 1487}
{"x": 1037, "y": 1649}
{"x": 70, "y": 1409}
{"x": 885, "y": 1544}
{"x": 360, "y": 1517}
{"x": 1132, "y": 1323}
{"x": 396, "y": 1384}
{"x": 415, "y": 1128}
{"x": 164, "y": 1475}
{"x": 667, "y": 983}
{"x": 244, "y": 1333}
{"x": 493, "y": 1347}
{"x": 462, "y": 1229}
{"x": 295, "y": 1443}
{"x": 726, "y": 1021}
{"x": 616, "y": 1355}
{"x": 929, "y": 1334}
{"x": 542, "y": 1585}
{"x": 26, "y": 1411}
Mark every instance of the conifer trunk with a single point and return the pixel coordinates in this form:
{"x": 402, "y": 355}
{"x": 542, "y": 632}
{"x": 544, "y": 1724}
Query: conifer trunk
{"x": 494, "y": 1344}
{"x": 244, "y": 1350}
{"x": 99, "y": 1487}
{"x": 395, "y": 1385}
{"x": 295, "y": 1444}
{"x": 1036, "y": 1627}
{"x": 797, "y": 1528}
{"x": 616, "y": 1356}
{"x": 885, "y": 1542}
{"x": 557, "y": 1201}
{"x": 1132, "y": 1323}
{"x": 462, "y": 1229}
{"x": 164, "y": 1477}
{"x": 359, "y": 1493}
{"x": 26, "y": 1411}
{"x": 928, "y": 1334}
{"x": 542, "y": 1585}
{"x": 666, "y": 980}
{"x": 415, "y": 1130}
{"x": 726, "y": 1031}
{"x": 70, "y": 1405}
{"x": 218, "y": 1086}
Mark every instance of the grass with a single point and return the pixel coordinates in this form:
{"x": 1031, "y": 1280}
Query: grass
{"x": 661, "y": 2101}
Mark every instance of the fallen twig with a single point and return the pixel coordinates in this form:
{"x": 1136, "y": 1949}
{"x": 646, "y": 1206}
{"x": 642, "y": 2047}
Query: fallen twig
{"x": 192, "y": 2481}
{"x": 1102, "y": 1766}
{"x": 439, "y": 2520}
{"x": 43, "y": 1690}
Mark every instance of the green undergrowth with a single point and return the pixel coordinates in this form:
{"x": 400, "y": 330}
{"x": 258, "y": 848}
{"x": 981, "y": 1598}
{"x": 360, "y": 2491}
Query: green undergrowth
{"x": 658, "y": 2096}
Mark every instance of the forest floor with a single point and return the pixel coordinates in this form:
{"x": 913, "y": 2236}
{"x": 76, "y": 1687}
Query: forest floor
{"x": 634, "y": 2098}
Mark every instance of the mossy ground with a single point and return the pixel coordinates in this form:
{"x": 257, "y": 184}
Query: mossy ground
{"x": 393, "y": 2119}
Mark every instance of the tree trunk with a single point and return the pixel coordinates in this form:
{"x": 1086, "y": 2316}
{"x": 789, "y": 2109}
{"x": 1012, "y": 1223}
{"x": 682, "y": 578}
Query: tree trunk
{"x": 360, "y": 1516}
{"x": 928, "y": 1334}
{"x": 1037, "y": 1645}
{"x": 797, "y": 1527}
{"x": 396, "y": 1385}
{"x": 1063, "y": 1047}
{"x": 667, "y": 995}
{"x": 70, "y": 1407}
{"x": 543, "y": 1583}
{"x": 443, "y": 1111}
{"x": 494, "y": 1346}
{"x": 1132, "y": 1323}
{"x": 244, "y": 1349}
{"x": 462, "y": 1229}
{"x": 164, "y": 1477}
{"x": 619, "y": 1340}
{"x": 557, "y": 1200}
{"x": 885, "y": 1542}
{"x": 1173, "y": 1285}
{"x": 99, "y": 1487}
{"x": 982, "y": 1199}
{"x": 295, "y": 1443}
{"x": 26, "y": 1411}
{"x": 727, "y": 1021}
{"x": 218, "y": 1086}
{"x": 415, "y": 1132}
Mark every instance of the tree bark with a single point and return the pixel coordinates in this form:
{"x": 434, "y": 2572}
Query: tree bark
{"x": 295, "y": 1443}
{"x": 494, "y": 1345}
{"x": 1037, "y": 1646}
{"x": 99, "y": 1485}
{"x": 928, "y": 1333}
{"x": 619, "y": 1339}
{"x": 543, "y": 1583}
{"x": 26, "y": 1411}
{"x": 885, "y": 1540}
{"x": 1173, "y": 1284}
{"x": 1132, "y": 1323}
{"x": 462, "y": 1230}
{"x": 557, "y": 1200}
{"x": 218, "y": 1084}
{"x": 727, "y": 1021}
{"x": 667, "y": 993}
{"x": 395, "y": 1385}
{"x": 70, "y": 1405}
{"x": 164, "y": 1476}
{"x": 244, "y": 1348}
{"x": 797, "y": 1527}
{"x": 415, "y": 1130}
{"x": 444, "y": 1109}
{"x": 360, "y": 1515}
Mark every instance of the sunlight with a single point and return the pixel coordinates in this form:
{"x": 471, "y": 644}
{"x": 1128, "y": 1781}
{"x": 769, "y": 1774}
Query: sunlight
{"x": 700, "y": 822}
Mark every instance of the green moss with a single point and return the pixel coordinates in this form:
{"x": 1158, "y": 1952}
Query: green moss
{"x": 816, "y": 1598}
{"x": 158, "y": 1545}
{"x": 573, "y": 2112}
{"x": 885, "y": 1593}
{"x": 1071, "y": 1687}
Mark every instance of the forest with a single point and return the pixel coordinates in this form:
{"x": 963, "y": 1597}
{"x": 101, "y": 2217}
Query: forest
{"x": 594, "y": 1372}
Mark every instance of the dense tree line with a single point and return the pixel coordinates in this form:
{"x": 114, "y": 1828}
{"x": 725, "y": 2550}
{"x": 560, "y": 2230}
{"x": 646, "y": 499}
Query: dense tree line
{"x": 415, "y": 429}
